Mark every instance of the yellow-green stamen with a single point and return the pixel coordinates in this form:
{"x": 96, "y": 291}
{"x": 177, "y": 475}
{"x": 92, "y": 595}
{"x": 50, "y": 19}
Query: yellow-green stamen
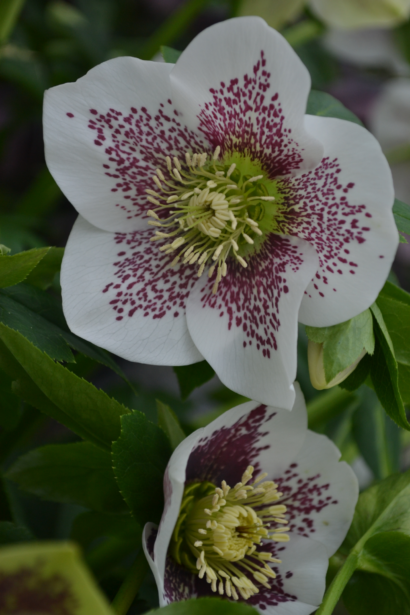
{"x": 212, "y": 211}
{"x": 220, "y": 530}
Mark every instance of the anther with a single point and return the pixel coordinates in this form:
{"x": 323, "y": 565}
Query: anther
{"x": 160, "y": 174}
{"x": 247, "y": 238}
{"x": 241, "y": 261}
{"x": 177, "y": 163}
{"x": 152, "y": 214}
{"x": 231, "y": 169}
{"x": 169, "y": 163}
{"x": 216, "y": 152}
{"x": 157, "y": 182}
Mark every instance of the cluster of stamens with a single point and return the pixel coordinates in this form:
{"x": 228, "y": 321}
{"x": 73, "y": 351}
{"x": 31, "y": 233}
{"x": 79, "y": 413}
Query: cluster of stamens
{"x": 205, "y": 211}
{"x": 219, "y": 536}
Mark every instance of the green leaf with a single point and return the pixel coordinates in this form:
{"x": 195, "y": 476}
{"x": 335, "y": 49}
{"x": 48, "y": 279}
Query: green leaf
{"x": 385, "y": 586}
{"x": 324, "y": 105}
{"x": 205, "y": 606}
{"x": 168, "y": 421}
{"x": 193, "y": 376}
{"x": 80, "y": 473}
{"x": 91, "y": 525}
{"x": 11, "y": 533}
{"x": 378, "y": 548}
{"x": 384, "y": 507}
{"x": 9, "y": 12}
{"x": 15, "y": 269}
{"x": 401, "y": 212}
{"x": 170, "y": 55}
{"x": 39, "y": 317}
{"x": 41, "y": 574}
{"x": 394, "y": 304}
{"x": 384, "y": 372}
{"x": 140, "y": 457}
{"x": 343, "y": 343}
{"x": 10, "y": 406}
{"x": 376, "y": 436}
{"x": 358, "y": 376}
{"x": 59, "y": 393}
{"x": 43, "y": 275}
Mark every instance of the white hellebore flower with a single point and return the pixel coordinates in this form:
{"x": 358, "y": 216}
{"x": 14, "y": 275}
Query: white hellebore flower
{"x": 213, "y": 212}
{"x": 255, "y": 504}
{"x": 351, "y": 14}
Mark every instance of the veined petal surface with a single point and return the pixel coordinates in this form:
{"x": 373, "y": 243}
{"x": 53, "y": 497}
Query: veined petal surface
{"x": 120, "y": 293}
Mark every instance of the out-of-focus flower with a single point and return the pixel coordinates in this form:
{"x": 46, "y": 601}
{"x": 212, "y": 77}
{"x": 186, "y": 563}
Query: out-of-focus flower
{"x": 213, "y": 211}
{"x": 255, "y": 504}
{"x": 390, "y": 123}
{"x": 275, "y": 12}
{"x": 352, "y": 14}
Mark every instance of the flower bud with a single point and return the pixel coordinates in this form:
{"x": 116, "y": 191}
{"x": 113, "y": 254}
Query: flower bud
{"x": 317, "y": 369}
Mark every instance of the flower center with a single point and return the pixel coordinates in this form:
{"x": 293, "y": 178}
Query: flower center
{"x": 219, "y": 533}
{"x": 208, "y": 211}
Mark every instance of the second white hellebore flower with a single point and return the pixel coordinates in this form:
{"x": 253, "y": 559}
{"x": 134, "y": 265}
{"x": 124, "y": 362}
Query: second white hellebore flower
{"x": 213, "y": 212}
{"x": 255, "y": 504}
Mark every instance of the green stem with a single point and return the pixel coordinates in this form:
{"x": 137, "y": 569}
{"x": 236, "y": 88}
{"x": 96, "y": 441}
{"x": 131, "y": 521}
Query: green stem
{"x": 401, "y": 153}
{"x": 338, "y": 584}
{"x": 303, "y": 32}
{"x": 130, "y": 585}
{"x": 328, "y": 405}
{"x": 172, "y": 27}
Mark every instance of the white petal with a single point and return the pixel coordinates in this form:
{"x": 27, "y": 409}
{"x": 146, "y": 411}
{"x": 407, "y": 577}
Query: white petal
{"x": 106, "y": 134}
{"x": 345, "y": 210}
{"x": 390, "y": 123}
{"x": 247, "y": 331}
{"x": 301, "y": 581}
{"x": 119, "y": 293}
{"x": 241, "y": 84}
{"x": 320, "y": 493}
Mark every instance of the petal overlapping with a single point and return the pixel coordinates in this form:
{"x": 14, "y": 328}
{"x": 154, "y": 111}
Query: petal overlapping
{"x": 248, "y": 330}
{"x": 319, "y": 492}
{"x": 106, "y": 134}
{"x": 344, "y": 209}
{"x": 120, "y": 293}
{"x": 233, "y": 85}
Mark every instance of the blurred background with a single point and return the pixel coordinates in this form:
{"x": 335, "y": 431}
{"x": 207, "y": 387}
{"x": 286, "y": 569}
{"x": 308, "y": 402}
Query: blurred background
{"x": 364, "y": 62}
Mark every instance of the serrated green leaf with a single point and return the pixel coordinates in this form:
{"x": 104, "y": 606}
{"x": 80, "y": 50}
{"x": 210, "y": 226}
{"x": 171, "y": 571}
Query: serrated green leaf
{"x": 382, "y": 583}
{"x": 11, "y": 533}
{"x": 205, "y": 606}
{"x": 193, "y": 376}
{"x": 324, "y": 105}
{"x": 383, "y": 507}
{"x": 80, "y": 473}
{"x": 41, "y": 574}
{"x": 358, "y": 376}
{"x": 39, "y": 317}
{"x": 169, "y": 423}
{"x": 140, "y": 456}
{"x": 401, "y": 212}
{"x": 343, "y": 343}
{"x": 43, "y": 275}
{"x": 14, "y": 269}
{"x": 91, "y": 525}
{"x": 169, "y": 54}
{"x": 384, "y": 372}
{"x": 76, "y": 403}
